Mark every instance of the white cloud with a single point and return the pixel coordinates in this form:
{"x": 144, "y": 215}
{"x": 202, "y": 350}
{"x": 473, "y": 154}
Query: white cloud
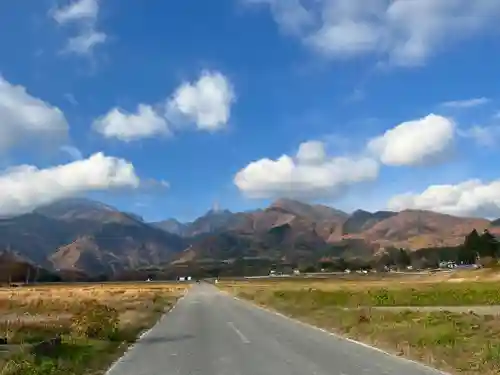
{"x": 487, "y": 136}
{"x": 71, "y": 99}
{"x": 469, "y": 198}
{"x": 83, "y": 14}
{"x": 311, "y": 152}
{"x": 309, "y": 174}
{"x": 127, "y": 127}
{"x": 72, "y": 151}
{"x": 77, "y": 11}
{"x": 85, "y": 42}
{"x": 467, "y": 103}
{"x": 206, "y": 102}
{"x": 415, "y": 142}
{"x": 25, "y": 187}
{"x": 290, "y": 15}
{"x": 24, "y": 117}
{"x": 407, "y": 32}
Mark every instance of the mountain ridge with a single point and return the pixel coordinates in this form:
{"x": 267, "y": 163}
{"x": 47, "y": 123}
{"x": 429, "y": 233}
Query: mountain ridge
{"x": 88, "y": 236}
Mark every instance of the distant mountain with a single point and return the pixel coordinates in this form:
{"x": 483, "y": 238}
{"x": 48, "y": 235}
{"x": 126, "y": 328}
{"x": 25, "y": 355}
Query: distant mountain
{"x": 35, "y": 236}
{"x": 77, "y": 236}
{"x": 81, "y": 234}
{"x": 416, "y": 229}
{"x": 315, "y": 212}
{"x": 361, "y": 220}
{"x": 213, "y": 221}
{"x": 287, "y": 228}
{"x": 172, "y": 226}
{"x": 295, "y": 230}
{"x": 134, "y": 216}
{"x": 72, "y": 209}
{"x": 114, "y": 247}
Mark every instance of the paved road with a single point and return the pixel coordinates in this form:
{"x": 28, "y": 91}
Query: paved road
{"x": 211, "y": 333}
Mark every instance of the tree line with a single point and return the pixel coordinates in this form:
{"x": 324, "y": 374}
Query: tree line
{"x": 477, "y": 248}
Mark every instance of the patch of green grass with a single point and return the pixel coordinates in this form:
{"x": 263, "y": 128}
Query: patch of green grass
{"x": 428, "y": 295}
{"x": 74, "y": 357}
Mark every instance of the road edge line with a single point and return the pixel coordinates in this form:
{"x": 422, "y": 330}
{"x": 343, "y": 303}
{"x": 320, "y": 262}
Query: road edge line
{"x": 336, "y": 335}
{"x": 144, "y": 334}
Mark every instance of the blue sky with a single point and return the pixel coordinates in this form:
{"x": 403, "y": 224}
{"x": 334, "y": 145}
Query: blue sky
{"x": 227, "y": 84}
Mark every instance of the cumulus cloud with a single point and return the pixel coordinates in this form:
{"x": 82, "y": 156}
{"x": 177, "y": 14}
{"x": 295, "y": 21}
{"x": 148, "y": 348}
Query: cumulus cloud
{"x": 311, "y": 173}
{"x": 76, "y": 11}
{"x": 24, "y": 117}
{"x": 414, "y": 142}
{"x": 127, "y": 127}
{"x": 206, "y": 102}
{"x": 466, "y": 103}
{"x": 25, "y": 187}
{"x": 83, "y": 14}
{"x": 468, "y": 198}
{"x": 311, "y": 152}
{"x": 406, "y": 32}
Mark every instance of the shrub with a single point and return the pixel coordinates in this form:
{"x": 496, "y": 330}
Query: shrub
{"x": 95, "y": 320}
{"x": 26, "y": 366}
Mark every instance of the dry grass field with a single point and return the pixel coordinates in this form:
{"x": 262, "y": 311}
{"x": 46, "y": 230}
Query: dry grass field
{"x": 76, "y": 329}
{"x": 450, "y": 321}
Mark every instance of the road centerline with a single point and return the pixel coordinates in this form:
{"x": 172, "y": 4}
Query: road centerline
{"x": 243, "y": 338}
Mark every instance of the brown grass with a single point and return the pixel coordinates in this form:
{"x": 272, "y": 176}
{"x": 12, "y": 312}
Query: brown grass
{"x": 32, "y": 314}
{"x": 372, "y": 280}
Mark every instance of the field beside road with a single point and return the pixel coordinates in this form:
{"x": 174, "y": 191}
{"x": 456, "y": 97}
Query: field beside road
{"x": 76, "y": 329}
{"x": 451, "y": 322}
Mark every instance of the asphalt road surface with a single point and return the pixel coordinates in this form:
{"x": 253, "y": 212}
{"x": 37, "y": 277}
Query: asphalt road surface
{"x": 211, "y": 333}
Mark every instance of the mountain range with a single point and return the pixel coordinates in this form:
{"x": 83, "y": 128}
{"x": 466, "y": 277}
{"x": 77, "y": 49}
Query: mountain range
{"x": 88, "y": 236}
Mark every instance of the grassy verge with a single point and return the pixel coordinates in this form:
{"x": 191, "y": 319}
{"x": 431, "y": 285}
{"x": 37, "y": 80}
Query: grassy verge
{"x": 464, "y": 343}
{"x": 428, "y": 295}
{"x": 76, "y": 330}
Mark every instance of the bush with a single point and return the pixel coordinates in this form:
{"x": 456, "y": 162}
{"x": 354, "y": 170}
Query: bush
{"x": 26, "y": 366}
{"x": 95, "y": 320}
